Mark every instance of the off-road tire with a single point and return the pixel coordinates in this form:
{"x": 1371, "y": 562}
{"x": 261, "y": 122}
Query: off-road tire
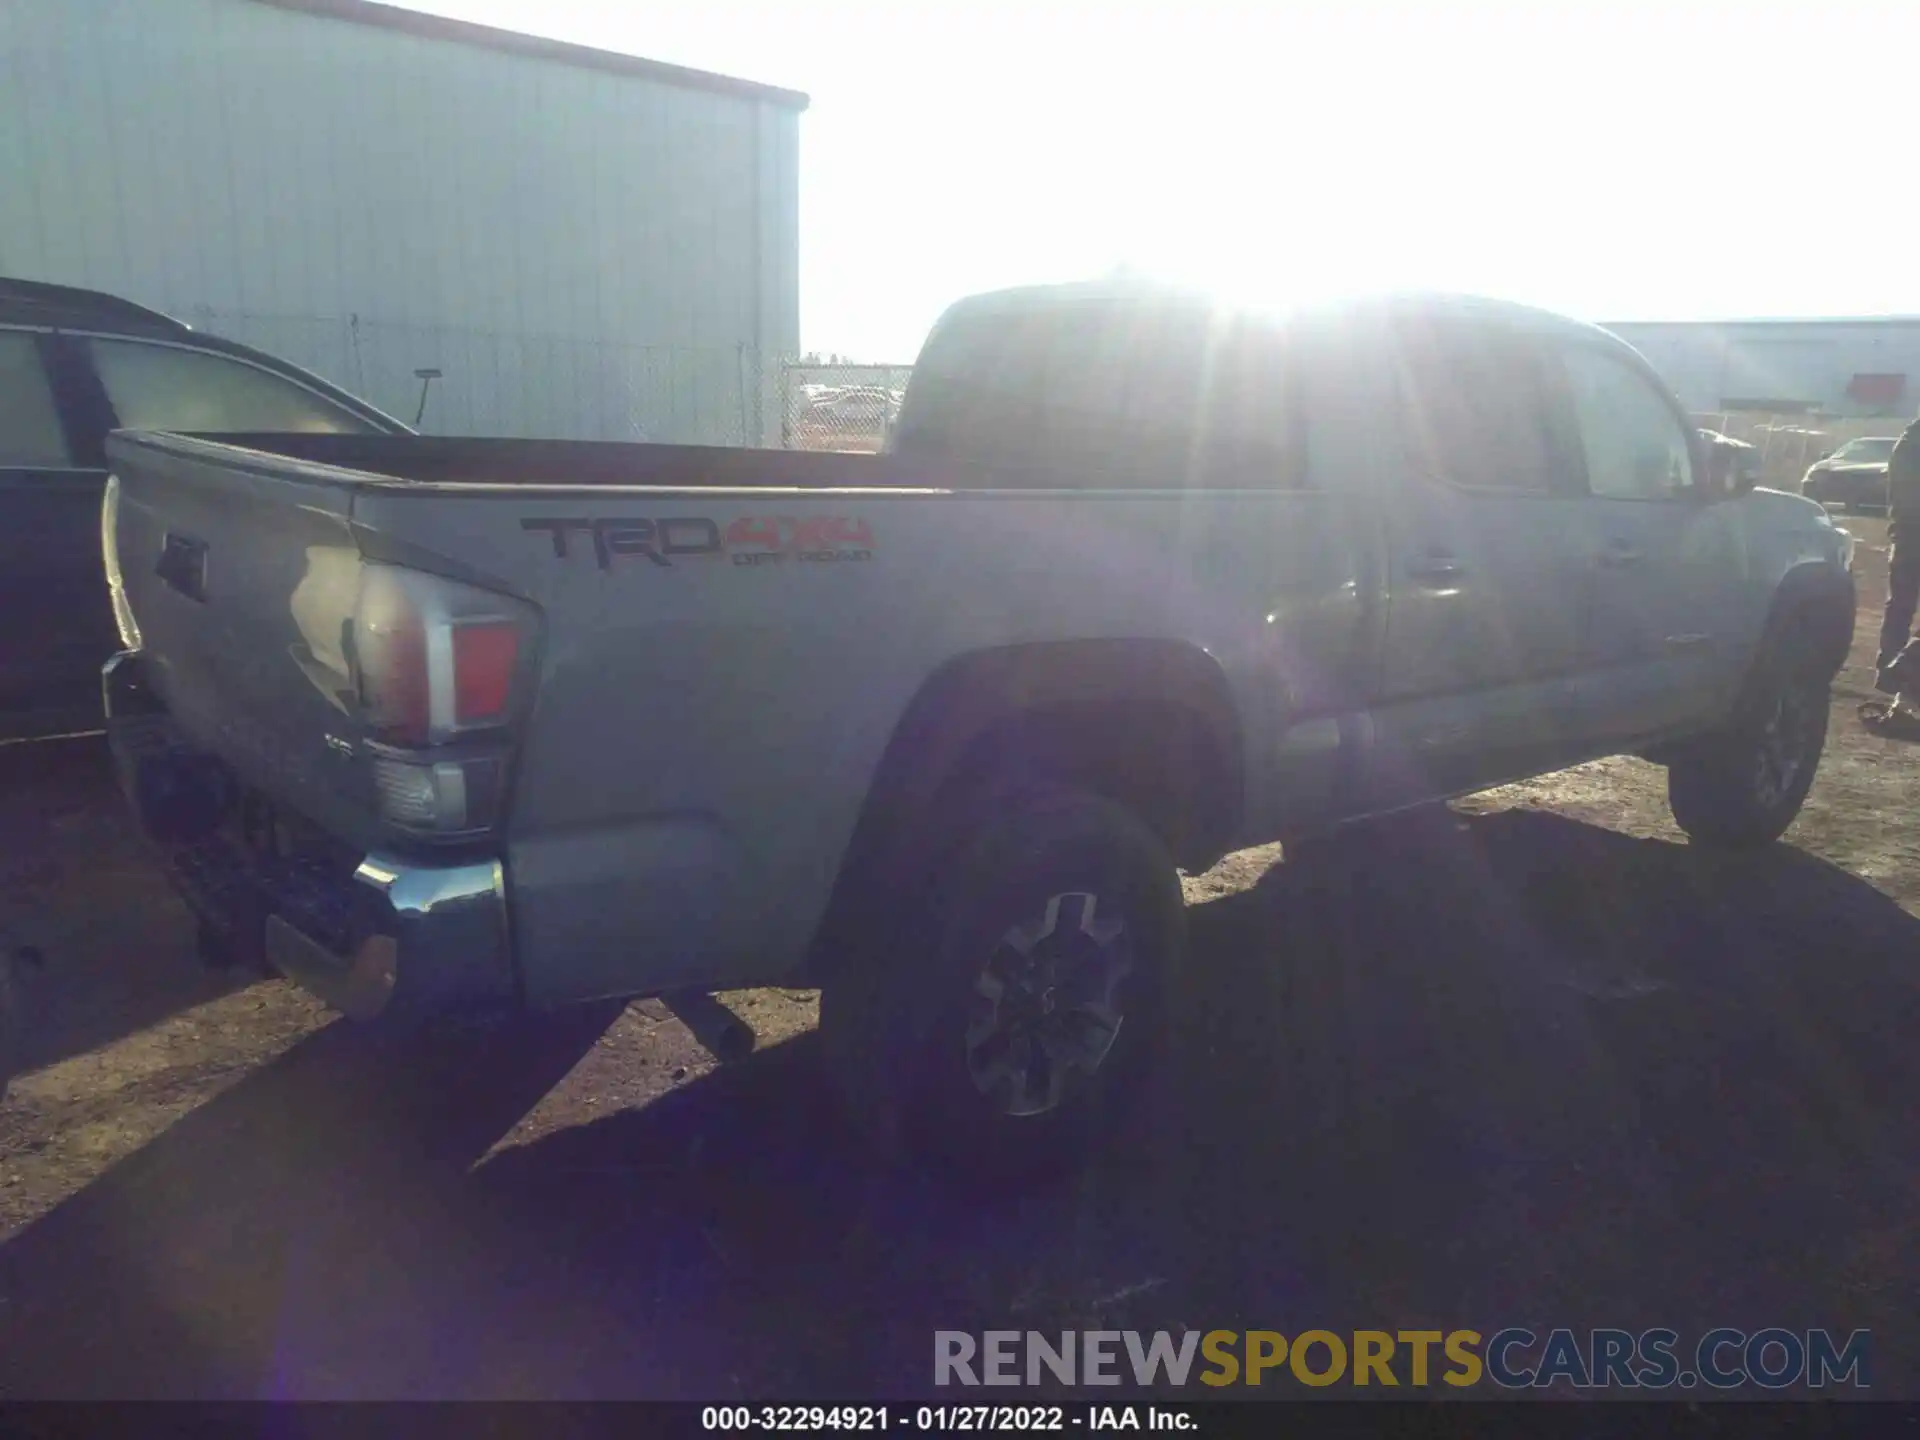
{"x": 1743, "y": 785}
{"x": 899, "y": 1013}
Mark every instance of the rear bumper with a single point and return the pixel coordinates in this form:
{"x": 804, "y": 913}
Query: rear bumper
{"x": 368, "y": 935}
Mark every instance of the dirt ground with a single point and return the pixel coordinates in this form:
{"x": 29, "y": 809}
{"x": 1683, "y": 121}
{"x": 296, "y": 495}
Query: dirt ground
{"x": 1539, "y": 1065}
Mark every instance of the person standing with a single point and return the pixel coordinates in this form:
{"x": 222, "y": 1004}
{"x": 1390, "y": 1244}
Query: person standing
{"x": 1903, "y": 553}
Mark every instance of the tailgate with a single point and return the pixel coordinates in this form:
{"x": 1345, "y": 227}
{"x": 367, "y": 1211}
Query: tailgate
{"x": 239, "y": 571}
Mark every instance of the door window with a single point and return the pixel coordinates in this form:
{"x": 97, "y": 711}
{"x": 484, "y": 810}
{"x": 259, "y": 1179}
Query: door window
{"x": 1634, "y": 444}
{"x": 1481, "y": 407}
{"x": 30, "y": 432}
{"x": 166, "y": 387}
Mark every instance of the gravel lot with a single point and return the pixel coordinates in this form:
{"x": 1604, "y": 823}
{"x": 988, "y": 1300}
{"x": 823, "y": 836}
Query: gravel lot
{"x": 1539, "y": 1063}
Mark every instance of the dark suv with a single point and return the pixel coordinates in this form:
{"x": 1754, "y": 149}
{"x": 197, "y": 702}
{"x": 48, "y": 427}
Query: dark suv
{"x": 75, "y": 364}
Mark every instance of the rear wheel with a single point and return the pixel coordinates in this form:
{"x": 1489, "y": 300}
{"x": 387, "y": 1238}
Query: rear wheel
{"x": 1744, "y": 785}
{"x": 1005, "y": 1017}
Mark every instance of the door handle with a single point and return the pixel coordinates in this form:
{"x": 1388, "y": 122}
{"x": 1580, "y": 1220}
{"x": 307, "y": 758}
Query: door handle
{"x": 1435, "y": 566}
{"x": 1620, "y": 555}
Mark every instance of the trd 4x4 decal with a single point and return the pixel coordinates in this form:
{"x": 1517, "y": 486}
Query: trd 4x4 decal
{"x": 750, "y": 540}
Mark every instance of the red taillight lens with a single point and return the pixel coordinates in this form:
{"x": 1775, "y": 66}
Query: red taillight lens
{"x": 484, "y": 655}
{"x": 435, "y": 658}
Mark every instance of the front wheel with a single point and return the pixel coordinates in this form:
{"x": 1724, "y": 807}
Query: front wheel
{"x": 1004, "y": 1020}
{"x": 1743, "y": 786}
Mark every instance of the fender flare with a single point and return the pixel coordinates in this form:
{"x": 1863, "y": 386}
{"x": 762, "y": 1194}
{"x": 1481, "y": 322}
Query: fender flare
{"x": 974, "y": 694}
{"x": 978, "y": 696}
{"x": 1812, "y": 613}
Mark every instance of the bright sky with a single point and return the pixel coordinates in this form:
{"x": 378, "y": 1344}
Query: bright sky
{"x": 1607, "y": 158}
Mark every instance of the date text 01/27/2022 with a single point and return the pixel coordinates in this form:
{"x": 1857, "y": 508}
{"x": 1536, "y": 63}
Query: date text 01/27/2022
{"x": 996, "y": 1419}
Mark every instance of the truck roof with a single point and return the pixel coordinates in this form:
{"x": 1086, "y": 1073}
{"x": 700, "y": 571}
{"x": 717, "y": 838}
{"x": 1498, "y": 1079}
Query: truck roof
{"x": 1129, "y": 290}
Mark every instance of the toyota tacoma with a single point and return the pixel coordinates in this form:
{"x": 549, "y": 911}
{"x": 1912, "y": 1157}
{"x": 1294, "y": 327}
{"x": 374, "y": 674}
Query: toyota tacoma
{"x": 439, "y": 725}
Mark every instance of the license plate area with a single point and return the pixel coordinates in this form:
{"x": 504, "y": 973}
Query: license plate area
{"x": 237, "y": 880}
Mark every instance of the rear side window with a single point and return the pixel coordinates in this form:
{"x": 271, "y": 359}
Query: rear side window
{"x": 1144, "y": 395}
{"x": 165, "y": 387}
{"x": 30, "y": 432}
{"x": 1481, "y": 407}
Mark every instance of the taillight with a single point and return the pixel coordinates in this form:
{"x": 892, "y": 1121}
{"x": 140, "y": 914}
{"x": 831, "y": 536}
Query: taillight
{"x": 436, "y": 659}
{"x": 440, "y": 797}
{"x": 484, "y": 654}
{"x": 438, "y": 668}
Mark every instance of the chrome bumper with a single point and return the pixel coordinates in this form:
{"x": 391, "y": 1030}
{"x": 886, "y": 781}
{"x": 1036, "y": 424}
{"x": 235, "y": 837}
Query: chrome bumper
{"x": 383, "y": 934}
{"x": 437, "y": 922}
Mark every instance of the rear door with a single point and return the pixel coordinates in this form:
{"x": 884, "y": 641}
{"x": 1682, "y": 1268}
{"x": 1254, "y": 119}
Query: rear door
{"x": 1481, "y": 518}
{"x": 58, "y": 623}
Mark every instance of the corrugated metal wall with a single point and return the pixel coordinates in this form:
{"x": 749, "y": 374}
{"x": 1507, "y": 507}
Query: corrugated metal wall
{"x": 1710, "y": 364}
{"x": 582, "y": 254}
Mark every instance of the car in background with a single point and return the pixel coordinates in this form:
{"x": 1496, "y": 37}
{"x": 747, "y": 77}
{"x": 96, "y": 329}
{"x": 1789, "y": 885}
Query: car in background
{"x": 857, "y": 418}
{"x": 74, "y": 365}
{"x": 1854, "y": 477}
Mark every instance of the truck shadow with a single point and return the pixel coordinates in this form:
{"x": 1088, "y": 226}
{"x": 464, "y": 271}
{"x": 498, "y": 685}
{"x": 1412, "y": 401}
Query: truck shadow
{"x": 1514, "y": 1071}
{"x": 103, "y": 949}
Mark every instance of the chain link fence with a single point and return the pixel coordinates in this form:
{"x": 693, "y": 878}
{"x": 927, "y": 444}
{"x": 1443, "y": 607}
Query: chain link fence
{"x": 469, "y": 381}
{"x": 1788, "y": 443}
{"x": 839, "y": 407}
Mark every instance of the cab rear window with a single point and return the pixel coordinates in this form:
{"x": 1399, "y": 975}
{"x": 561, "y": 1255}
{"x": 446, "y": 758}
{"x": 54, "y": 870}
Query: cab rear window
{"x": 1148, "y": 395}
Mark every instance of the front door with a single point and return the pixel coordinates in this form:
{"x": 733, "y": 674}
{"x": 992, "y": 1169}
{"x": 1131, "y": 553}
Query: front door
{"x": 1663, "y": 564}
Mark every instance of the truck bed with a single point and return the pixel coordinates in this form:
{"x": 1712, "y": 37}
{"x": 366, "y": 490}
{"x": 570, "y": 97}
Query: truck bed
{"x": 574, "y": 464}
{"x": 712, "y": 679}
{"x": 476, "y": 462}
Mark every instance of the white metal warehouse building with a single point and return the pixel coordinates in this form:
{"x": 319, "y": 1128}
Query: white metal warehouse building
{"x": 1845, "y": 368}
{"x": 584, "y": 244}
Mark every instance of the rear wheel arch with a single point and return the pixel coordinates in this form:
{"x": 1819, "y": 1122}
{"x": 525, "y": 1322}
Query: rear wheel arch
{"x": 1151, "y": 724}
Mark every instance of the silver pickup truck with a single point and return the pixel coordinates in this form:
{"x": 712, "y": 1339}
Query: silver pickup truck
{"x": 436, "y": 724}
